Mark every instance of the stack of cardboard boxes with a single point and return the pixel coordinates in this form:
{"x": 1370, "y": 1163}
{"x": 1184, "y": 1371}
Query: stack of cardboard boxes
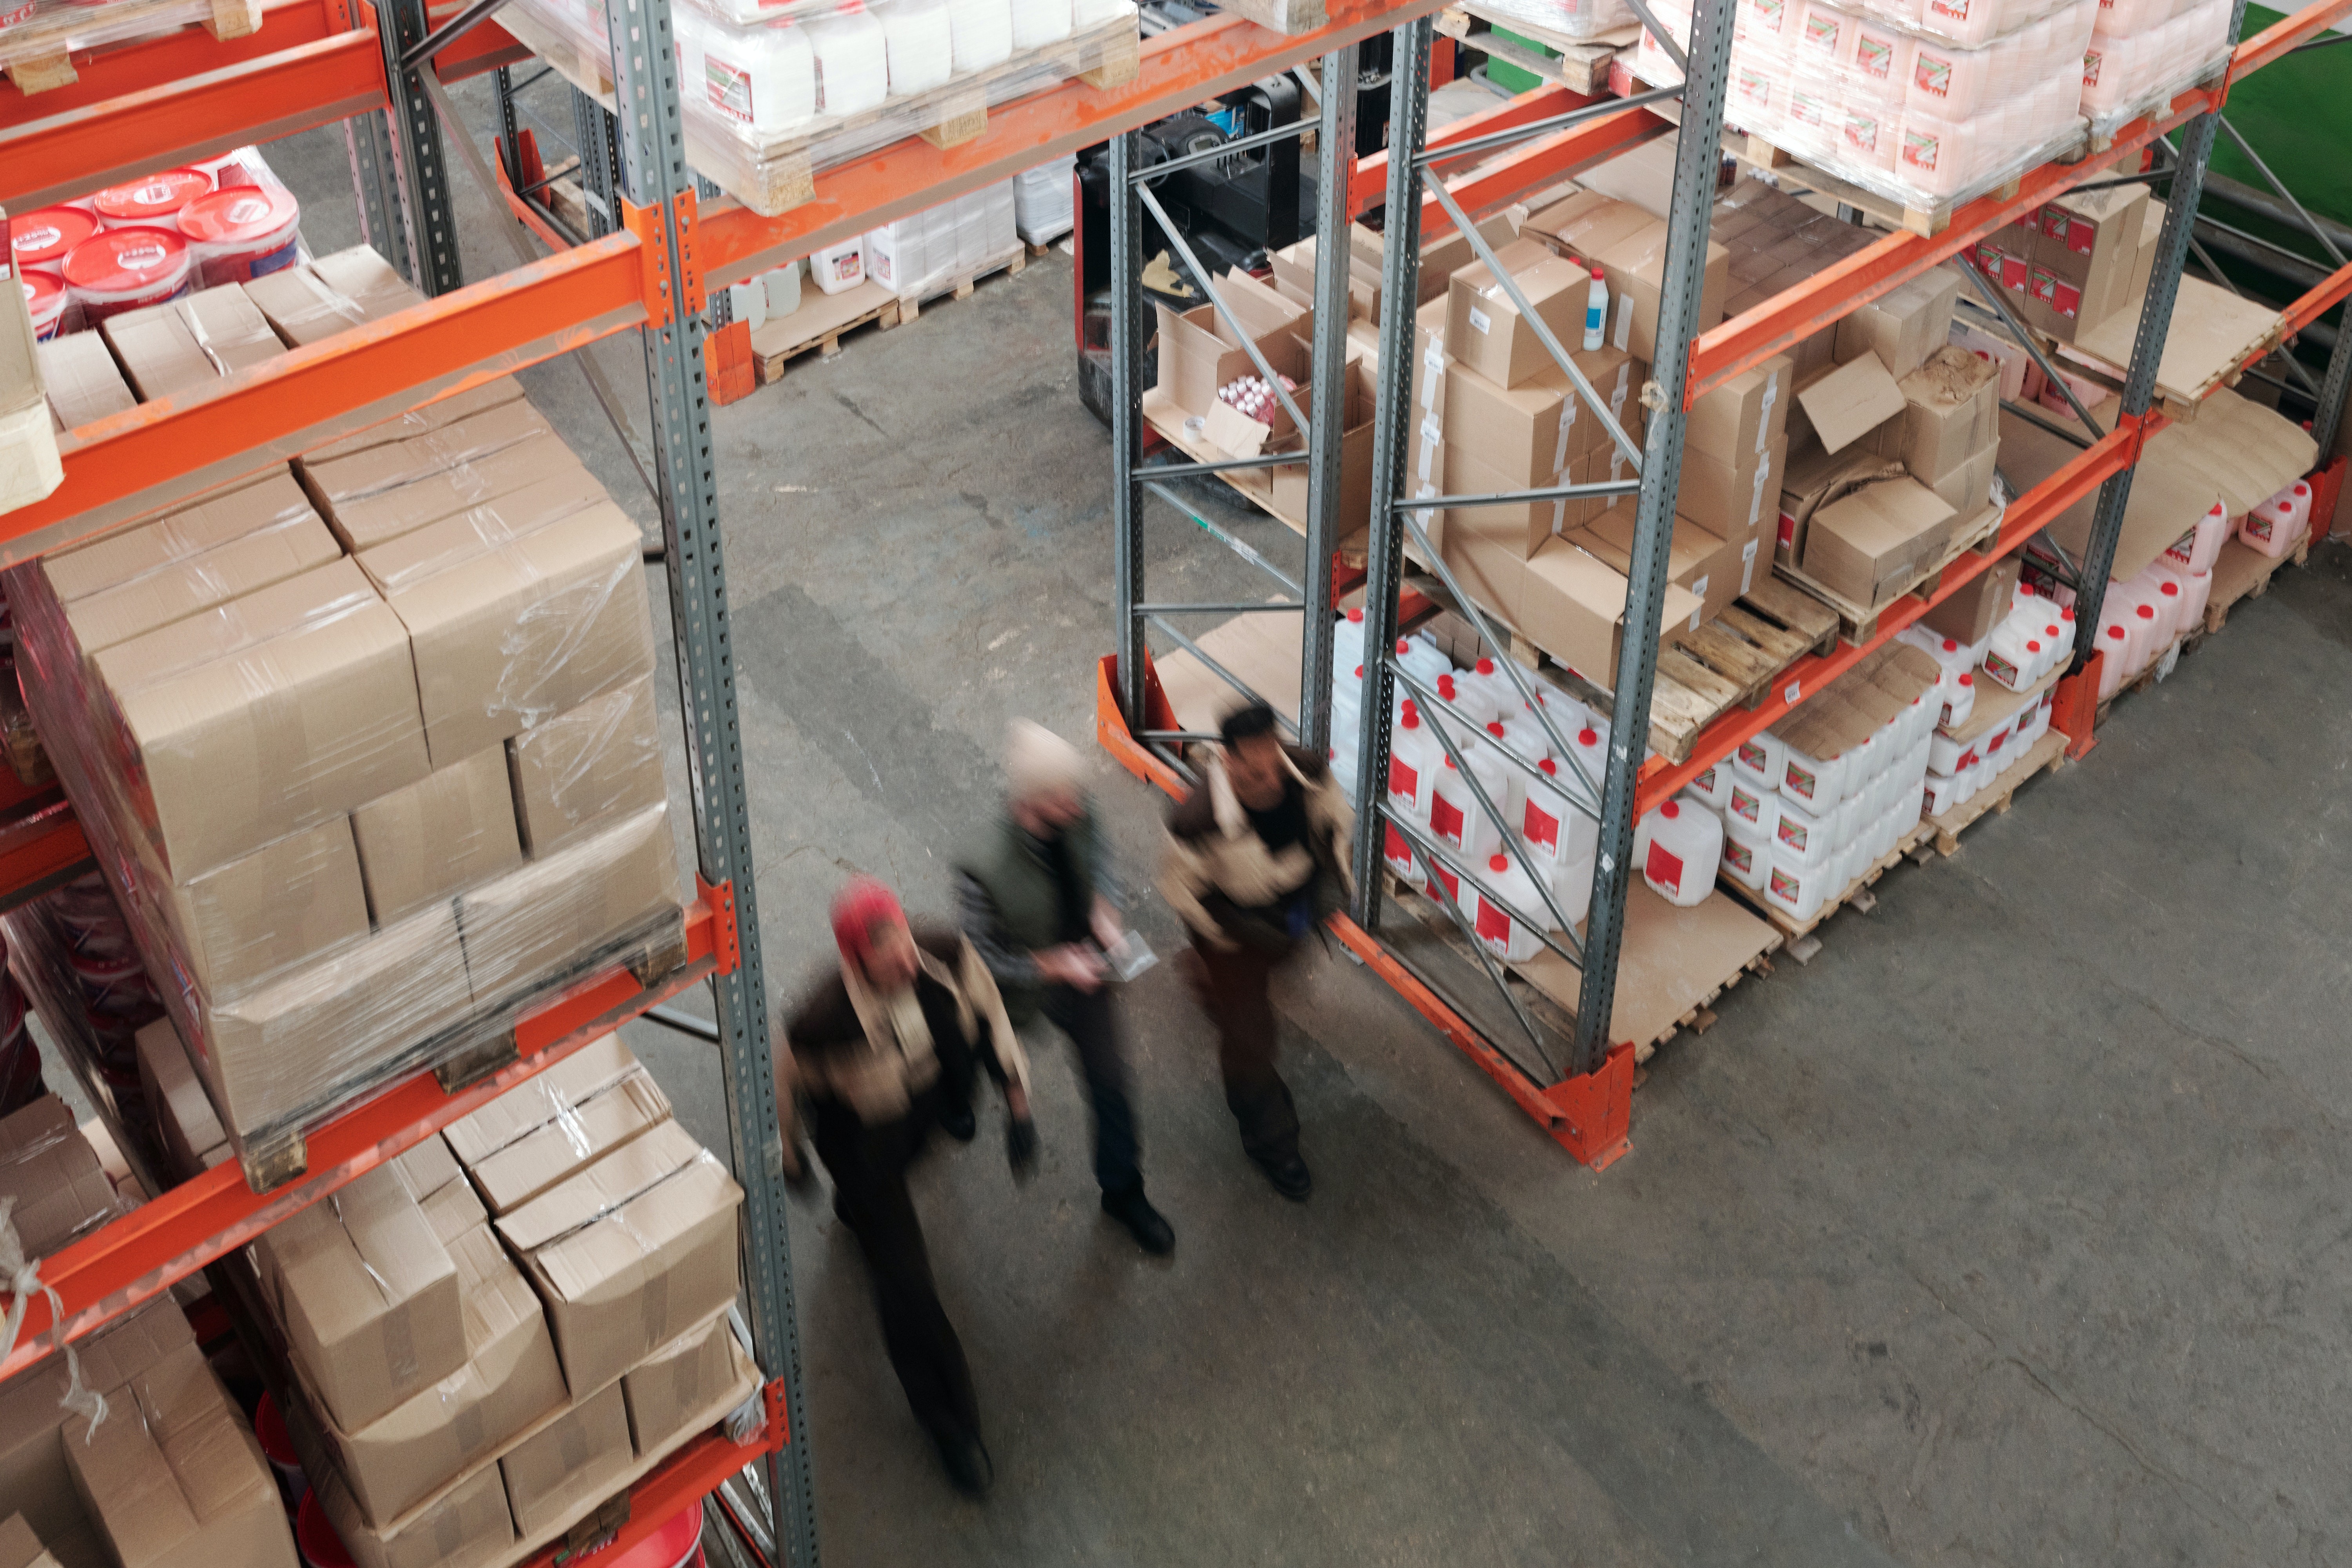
{"x": 367, "y": 750}
{"x": 52, "y": 1183}
{"x": 2073, "y": 263}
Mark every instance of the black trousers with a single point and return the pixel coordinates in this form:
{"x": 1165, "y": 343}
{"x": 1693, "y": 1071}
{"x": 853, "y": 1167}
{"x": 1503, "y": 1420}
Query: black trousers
{"x": 868, "y": 1166}
{"x": 1234, "y": 988}
{"x": 1090, "y": 1019}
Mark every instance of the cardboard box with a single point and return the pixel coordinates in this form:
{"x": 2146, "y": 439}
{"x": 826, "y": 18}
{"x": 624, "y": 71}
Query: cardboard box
{"x": 1744, "y": 416}
{"x": 1814, "y": 479}
{"x": 1630, "y": 246}
{"x": 424, "y": 420}
{"x": 1903, "y": 326}
{"x": 1733, "y": 499}
{"x": 450, "y": 829}
{"x": 274, "y": 711}
{"x": 1861, "y": 546}
{"x": 1967, "y": 486}
{"x": 571, "y": 1465}
{"x": 1359, "y": 387}
{"x": 61, "y": 1193}
{"x": 1536, "y": 428}
{"x": 588, "y": 766}
{"x": 269, "y": 910}
{"x": 509, "y": 1381}
{"x": 374, "y": 469}
{"x": 177, "y": 536}
{"x": 1969, "y": 613}
{"x": 1951, "y": 410}
{"x": 329, "y": 294}
{"x": 369, "y": 1298}
{"x": 468, "y": 1526}
{"x": 2152, "y": 232}
{"x": 534, "y": 482}
{"x": 1489, "y": 565}
{"x": 1450, "y": 252}
{"x": 1521, "y": 526}
{"x": 2089, "y": 242}
{"x": 1199, "y": 353}
{"x": 629, "y": 1254}
{"x": 20, "y": 1548}
{"x": 1694, "y": 559}
{"x": 506, "y": 628}
{"x": 1847, "y": 403}
{"x": 553, "y": 1151}
{"x": 549, "y": 1096}
{"x": 669, "y": 1392}
{"x": 83, "y": 383}
{"x": 175, "y": 1477}
{"x": 174, "y": 592}
{"x": 1573, "y": 606}
{"x": 320, "y": 1032}
{"x": 568, "y": 910}
{"x": 158, "y": 353}
{"x": 1294, "y": 274}
{"x": 190, "y": 1130}
{"x": 33, "y": 1473}
{"x": 427, "y": 1170}
{"x": 1485, "y": 330}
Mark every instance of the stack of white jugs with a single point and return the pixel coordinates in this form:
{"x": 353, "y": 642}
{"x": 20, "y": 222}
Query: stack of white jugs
{"x": 2144, "y": 615}
{"x": 2023, "y": 648}
{"x": 1547, "y": 832}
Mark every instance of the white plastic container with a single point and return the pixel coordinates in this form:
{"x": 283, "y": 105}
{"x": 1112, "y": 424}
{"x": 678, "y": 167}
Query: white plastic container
{"x": 2200, "y": 587}
{"x": 749, "y": 303}
{"x": 44, "y": 301}
{"x": 1455, "y": 817}
{"x": 1348, "y": 641}
{"x": 1684, "y": 847}
{"x": 852, "y": 63}
{"x": 2196, "y": 550}
{"x": 1555, "y": 833}
{"x": 1397, "y": 854}
{"x": 2298, "y": 495}
{"x": 1587, "y": 762}
{"x": 1796, "y": 887}
{"x": 1514, "y": 798}
{"x": 2014, "y": 659}
{"x": 1471, "y": 701}
{"x": 2114, "y": 649}
{"x": 1037, "y": 23}
{"x": 2171, "y": 604}
{"x": 1746, "y": 864}
{"x": 241, "y": 234}
{"x": 1802, "y": 836}
{"x": 1423, "y": 660}
{"x": 1348, "y": 696}
{"x": 1499, "y": 693}
{"x": 1760, "y": 759}
{"x": 917, "y": 37}
{"x": 2269, "y": 530}
{"x": 1812, "y": 782}
{"x": 980, "y": 32}
{"x": 1752, "y": 815}
{"x": 1596, "y": 311}
{"x": 1959, "y": 699}
{"x": 154, "y": 199}
{"x": 1414, "y": 757}
{"x": 1946, "y": 755}
{"x": 1942, "y": 794}
{"x": 2148, "y": 630}
{"x": 1506, "y": 887}
{"x": 782, "y": 287}
{"x": 120, "y": 269}
{"x": 838, "y": 269}
{"x": 1712, "y": 787}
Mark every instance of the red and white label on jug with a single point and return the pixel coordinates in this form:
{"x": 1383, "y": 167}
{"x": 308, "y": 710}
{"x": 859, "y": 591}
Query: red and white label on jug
{"x": 1445, "y": 820}
{"x": 1800, "y": 783}
{"x": 1404, "y": 780}
{"x": 1746, "y": 806}
{"x": 1540, "y": 829}
{"x": 1738, "y": 855}
{"x": 1664, "y": 866}
{"x": 1791, "y": 832}
{"x": 1494, "y": 927}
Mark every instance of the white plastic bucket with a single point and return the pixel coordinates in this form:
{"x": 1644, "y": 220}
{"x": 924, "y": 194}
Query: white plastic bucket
{"x": 242, "y": 233}
{"x": 44, "y": 300}
{"x": 152, "y": 199}
{"x": 120, "y": 269}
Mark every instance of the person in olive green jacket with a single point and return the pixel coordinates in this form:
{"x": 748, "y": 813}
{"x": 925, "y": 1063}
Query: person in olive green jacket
{"x": 1038, "y": 901}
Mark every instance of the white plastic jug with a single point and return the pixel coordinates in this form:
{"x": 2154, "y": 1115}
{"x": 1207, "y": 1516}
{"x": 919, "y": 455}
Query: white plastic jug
{"x": 761, "y": 77}
{"x": 1504, "y": 888}
{"x": 1795, "y": 886}
{"x": 1455, "y": 817}
{"x": 2148, "y": 629}
{"x": 1752, "y": 815}
{"x": 1685, "y": 844}
{"x": 2269, "y": 530}
{"x": 1037, "y": 23}
{"x": 1487, "y": 677}
{"x": 1423, "y": 660}
{"x": 980, "y": 32}
{"x": 838, "y": 269}
{"x": 1398, "y": 856}
{"x": 1959, "y": 699}
{"x": 2199, "y": 585}
{"x": 2194, "y": 550}
{"x": 1712, "y": 787}
{"x": 1760, "y": 760}
{"x": 2014, "y": 659}
{"x": 783, "y": 285}
{"x": 1343, "y": 757}
{"x": 1746, "y": 864}
{"x": 920, "y": 43}
{"x": 1348, "y": 696}
{"x": 853, "y": 62}
{"x": 1554, "y": 830}
{"x": 1803, "y": 836}
{"x": 1472, "y": 702}
{"x": 1348, "y": 641}
{"x": 1943, "y": 793}
{"x": 1499, "y": 735}
{"x": 1812, "y": 782}
{"x": 1415, "y": 759}
{"x": 1587, "y": 762}
{"x": 2298, "y": 495}
{"x": 2114, "y": 650}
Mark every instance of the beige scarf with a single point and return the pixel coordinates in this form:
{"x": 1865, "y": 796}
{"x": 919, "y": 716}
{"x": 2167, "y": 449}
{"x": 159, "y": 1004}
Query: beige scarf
{"x": 897, "y": 1061}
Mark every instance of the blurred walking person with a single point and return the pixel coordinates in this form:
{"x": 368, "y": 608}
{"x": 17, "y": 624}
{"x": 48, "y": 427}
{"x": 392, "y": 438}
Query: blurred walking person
{"x": 1039, "y": 902}
{"x": 1257, "y": 856}
{"x": 873, "y": 1048}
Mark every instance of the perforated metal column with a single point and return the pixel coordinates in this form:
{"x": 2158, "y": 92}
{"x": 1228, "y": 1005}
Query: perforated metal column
{"x": 375, "y": 181}
{"x": 1334, "y": 163}
{"x": 415, "y": 134}
{"x": 1127, "y": 425}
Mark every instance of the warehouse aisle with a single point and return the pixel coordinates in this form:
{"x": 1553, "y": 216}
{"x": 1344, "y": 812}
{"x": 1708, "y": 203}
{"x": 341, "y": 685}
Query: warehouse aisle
{"x": 2005, "y": 1232}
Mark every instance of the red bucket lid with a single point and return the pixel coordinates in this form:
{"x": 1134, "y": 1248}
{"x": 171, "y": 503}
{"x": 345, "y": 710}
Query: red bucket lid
{"x": 669, "y": 1545}
{"x": 240, "y": 212}
{"x": 315, "y": 1539}
{"x": 41, "y": 289}
{"x": 41, "y": 238}
{"x": 153, "y": 197}
{"x": 119, "y": 261}
{"x": 269, "y": 1427}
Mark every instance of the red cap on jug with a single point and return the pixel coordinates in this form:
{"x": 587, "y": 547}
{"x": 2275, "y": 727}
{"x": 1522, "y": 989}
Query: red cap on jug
{"x": 2032, "y": 644}
{"x": 1669, "y": 811}
{"x": 1498, "y": 862}
{"x": 2171, "y": 588}
{"x": 1445, "y": 687}
{"x": 1548, "y": 766}
{"x": 1412, "y": 720}
{"x": 1597, "y": 271}
{"x": 1485, "y": 666}
{"x": 2116, "y": 632}
{"x": 1970, "y": 678}
{"x": 1356, "y": 616}
{"x": 1950, "y": 646}
{"x": 2052, "y": 630}
{"x": 1405, "y": 646}
{"x": 1449, "y": 763}
{"x": 2147, "y": 612}
{"x": 2067, "y": 613}
{"x": 1588, "y": 736}
{"x": 1495, "y": 728}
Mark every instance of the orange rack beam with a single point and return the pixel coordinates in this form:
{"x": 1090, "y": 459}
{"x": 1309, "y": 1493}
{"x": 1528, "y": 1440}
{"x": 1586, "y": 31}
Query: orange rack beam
{"x": 138, "y": 1257}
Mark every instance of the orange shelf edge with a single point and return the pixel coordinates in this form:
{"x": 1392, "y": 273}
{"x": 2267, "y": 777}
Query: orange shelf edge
{"x": 138, "y": 1257}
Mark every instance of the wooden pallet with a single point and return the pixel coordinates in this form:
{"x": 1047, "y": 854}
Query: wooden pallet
{"x": 961, "y": 286}
{"x": 820, "y": 324}
{"x": 1859, "y": 623}
{"x": 1579, "y": 65}
{"x": 1802, "y": 945}
{"x": 1734, "y": 661}
{"x": 1788, "y": 170}
{"x": 38, "y": 54}
{"x": 1995, "y": 798}
{"x": 1700, "y": 1019}
{"x": 1039, "y": 248}
{"x": 2240, "y": 572}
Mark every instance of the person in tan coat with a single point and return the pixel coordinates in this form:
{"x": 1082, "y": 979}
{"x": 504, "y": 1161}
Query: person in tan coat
{"x": 1257, "y": 856}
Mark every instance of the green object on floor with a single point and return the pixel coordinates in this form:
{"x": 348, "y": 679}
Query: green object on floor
{"x": 1519, "y": 78}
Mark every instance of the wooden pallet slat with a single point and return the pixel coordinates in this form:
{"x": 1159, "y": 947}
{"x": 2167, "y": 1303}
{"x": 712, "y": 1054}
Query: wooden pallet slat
{"x": 961, "y": 286}
{"x": 2242, "y": 572}
{"x": 1858, "y": 623}
{"x": 819, "y": 325}
{"x": 1995, "y": 798}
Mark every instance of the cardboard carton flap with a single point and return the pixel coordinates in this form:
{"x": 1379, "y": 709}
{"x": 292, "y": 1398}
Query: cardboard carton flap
{"x": 612, "y": 1255}
{"x": 593, "y": 1069}
{"x": 602, "y": 1188}
{"x": 127, "y": 553}
{"x": 1850, "y": 401}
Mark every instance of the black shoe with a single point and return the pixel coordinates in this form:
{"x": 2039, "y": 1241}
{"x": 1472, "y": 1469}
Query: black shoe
{"x": 958, "y": 1123}
{"x": 968, "y": 1465}
{"x": 1147, "y": 1225}
{"x": 1290, "y": 1178}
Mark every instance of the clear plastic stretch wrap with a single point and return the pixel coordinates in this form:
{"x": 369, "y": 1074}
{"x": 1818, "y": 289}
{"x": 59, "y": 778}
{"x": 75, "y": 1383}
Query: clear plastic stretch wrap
{"x": 775, "y": 93}
{"x": 53, "y": 1191}
{"x": 47, "y": 29}
{"x": 1921, "y": 113}
{"x": 1041, "y": 197}
{"x": 917, "y": 256}
{"x": 1569, "y": 18}
{"x": 72, "y": 954}
{"x": 2145, "y": 51}
{"x": 382, "y": 762}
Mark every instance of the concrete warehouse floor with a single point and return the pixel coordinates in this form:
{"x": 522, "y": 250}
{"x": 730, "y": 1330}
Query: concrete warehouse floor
{"x": 2010, "y": 1231}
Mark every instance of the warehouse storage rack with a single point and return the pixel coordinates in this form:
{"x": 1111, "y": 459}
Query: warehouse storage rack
{"x": 1579, "y": 1090}
{"x": 184, "y": 96}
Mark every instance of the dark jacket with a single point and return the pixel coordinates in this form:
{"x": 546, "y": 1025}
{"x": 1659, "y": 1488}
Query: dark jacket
{"x": 1010, "y": 901}
{"x": 1218, "y": 874}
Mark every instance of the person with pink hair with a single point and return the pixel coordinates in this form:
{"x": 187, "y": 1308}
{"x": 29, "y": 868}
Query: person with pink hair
{"x": 874, "y": 1050}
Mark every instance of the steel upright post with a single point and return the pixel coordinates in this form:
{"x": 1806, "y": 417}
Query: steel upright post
{"x": 2147, "y": 351}
{"x": 1696, "y": 160}
{"x": 1127, "y": 424}
{"x": 417, "y": 144}
{"x": 2329, "y": 415}
{"x": 510, "y": 134}
{"x": 1384, "y": 543}
{"x": 654, "y": 175}
{"x": 1335, "y": 165}
{"x": 375, "y": 180}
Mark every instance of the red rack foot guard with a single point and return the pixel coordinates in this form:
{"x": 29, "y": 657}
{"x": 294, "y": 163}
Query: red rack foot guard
{"x": 2075, "y": 706}
{"x": 729, "y": 364}
{"x": 1596, "y": 1110}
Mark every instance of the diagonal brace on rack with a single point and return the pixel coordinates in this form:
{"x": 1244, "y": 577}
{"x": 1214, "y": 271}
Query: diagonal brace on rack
{"x": 1247, "y": 339}
{"x": 1426, "y": 850}
{"x": 1219, "y": 670}
{"x": 1536, "y": 324}
{"x": 1241, "y": 547}
{"x": 1515, "y": 498}
{"x": 1986, "y": 287}
{"x": 1227, "y": 148}
{"x": 2310, "y": 225}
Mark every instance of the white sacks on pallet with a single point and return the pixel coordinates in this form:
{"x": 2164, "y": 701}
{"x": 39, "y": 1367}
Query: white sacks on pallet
{"x": 920, "y": 256}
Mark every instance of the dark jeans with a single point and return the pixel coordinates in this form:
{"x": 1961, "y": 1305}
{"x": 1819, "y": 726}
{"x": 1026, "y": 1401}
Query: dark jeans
{"x": 1091, "y": 1021}
{"x": 868, "y": 1166}
{"x": 1234, "y": 990}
